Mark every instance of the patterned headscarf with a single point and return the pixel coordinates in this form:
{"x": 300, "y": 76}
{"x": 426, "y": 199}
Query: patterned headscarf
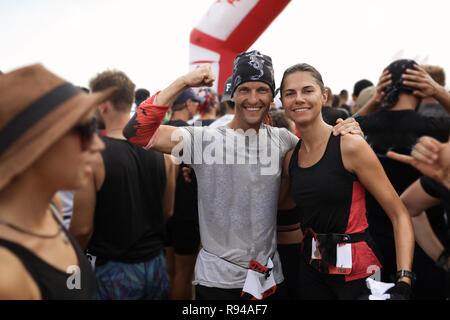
{"x": 397, "y": 69}
{"x": 252, "y": 66}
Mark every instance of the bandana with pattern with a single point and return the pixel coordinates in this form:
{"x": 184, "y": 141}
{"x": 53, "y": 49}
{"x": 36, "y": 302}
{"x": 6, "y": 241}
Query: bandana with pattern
{"x": 252, "y": 66}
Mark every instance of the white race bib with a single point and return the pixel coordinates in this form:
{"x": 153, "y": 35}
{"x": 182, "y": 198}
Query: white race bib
{"x": 258, "y": 284}
{"x": 343, "y": 257}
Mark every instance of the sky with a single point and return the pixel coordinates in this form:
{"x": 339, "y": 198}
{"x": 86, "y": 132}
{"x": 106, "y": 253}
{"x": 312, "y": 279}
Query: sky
{"x": 345, "y": 40}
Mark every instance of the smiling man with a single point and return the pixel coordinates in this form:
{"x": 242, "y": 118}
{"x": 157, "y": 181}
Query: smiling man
{"x": 238, "y": 174}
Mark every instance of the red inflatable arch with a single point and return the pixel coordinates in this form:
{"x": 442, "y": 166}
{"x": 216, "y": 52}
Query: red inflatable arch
{"x": 228, "y": 28}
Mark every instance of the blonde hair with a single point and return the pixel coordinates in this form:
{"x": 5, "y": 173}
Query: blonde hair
{"x": 436, "y": 72}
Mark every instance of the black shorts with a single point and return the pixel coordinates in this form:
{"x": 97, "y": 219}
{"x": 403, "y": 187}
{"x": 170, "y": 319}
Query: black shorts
{"x": 320, "y": 286}
{"x": 183, "y": 235}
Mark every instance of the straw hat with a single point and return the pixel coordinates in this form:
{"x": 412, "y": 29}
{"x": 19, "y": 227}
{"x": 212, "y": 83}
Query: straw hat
{"x": 36, "y": 109}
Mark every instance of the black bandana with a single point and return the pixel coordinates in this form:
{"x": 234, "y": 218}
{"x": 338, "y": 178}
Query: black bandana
{"x": 397, "y": 69}
{"x": 252, "y": 66}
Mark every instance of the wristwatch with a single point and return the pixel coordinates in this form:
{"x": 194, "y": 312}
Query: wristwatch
{"x": 407, "y": 274}
{"x": 442, "y": 261}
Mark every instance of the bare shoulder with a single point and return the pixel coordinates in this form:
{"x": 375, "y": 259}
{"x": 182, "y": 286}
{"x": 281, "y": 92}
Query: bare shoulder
{"x": 15, "y": 281}
{"x": 356, "y": 153}
{"x": 352, "y": 144}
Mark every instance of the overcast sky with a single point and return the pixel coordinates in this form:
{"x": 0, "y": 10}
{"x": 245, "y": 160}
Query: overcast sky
{"x": 345, "y": 40}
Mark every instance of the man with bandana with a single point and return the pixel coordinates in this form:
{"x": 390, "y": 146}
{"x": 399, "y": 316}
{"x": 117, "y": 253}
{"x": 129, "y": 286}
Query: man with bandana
{"x": 396, "y": 127}
{"x": 238, "y": 174}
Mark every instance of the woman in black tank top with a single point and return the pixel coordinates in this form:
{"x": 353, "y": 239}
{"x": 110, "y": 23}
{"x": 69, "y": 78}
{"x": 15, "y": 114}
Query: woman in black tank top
{"x": 37, "y": 253}
{"x": 326, "y": 177}
{"x": 47, "y": 143}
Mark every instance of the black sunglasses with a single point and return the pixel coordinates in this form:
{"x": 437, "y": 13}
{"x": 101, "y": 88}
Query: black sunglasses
{"x": 86, "y": 129}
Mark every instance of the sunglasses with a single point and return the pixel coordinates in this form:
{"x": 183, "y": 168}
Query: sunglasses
{"x": 86, "y": 129}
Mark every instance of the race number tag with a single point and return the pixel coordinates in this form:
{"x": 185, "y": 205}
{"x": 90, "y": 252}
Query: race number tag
{"x": 260, "y": 282}
{"x": 343, "y": 257}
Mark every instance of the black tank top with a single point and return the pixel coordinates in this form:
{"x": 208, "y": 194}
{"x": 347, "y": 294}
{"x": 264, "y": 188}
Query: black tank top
{"x": 326, "y": 192}
{"x": 128, "y": 220}
{"x": 53, "y": 283}
{"x": 331, "y": 200}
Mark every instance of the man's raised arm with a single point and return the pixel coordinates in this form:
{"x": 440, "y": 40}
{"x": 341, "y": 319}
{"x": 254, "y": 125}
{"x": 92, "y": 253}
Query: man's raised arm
{"x": 145, "y": 128}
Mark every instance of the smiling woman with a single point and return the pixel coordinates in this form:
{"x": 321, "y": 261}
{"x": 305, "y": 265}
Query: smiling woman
{"x": 327, "y": 177}
{"x": 47, "y": 142}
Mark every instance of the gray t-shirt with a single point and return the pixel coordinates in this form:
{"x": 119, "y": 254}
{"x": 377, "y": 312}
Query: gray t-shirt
{"x": 238, "y": 178}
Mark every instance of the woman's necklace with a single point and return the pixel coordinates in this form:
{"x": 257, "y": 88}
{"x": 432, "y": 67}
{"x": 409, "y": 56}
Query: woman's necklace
{"x": 43, "y": 236}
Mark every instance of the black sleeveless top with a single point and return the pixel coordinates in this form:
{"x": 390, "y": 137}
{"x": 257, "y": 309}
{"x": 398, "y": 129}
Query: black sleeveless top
{"x": 331, "y": 200}
{"x": 53, "y": 283}
{"x": 128, "y": 220}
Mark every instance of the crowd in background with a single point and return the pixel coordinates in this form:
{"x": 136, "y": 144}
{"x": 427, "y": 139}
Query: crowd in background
{"x": 133, "y": 212}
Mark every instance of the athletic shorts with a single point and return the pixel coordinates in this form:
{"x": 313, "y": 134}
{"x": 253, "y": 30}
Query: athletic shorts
{"x": 183, "y": 235}
{"x": 315, "y": 285}
{"x": 140, "y": 281}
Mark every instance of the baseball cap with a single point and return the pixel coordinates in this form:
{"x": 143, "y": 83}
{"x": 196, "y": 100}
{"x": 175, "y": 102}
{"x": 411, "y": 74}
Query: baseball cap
{"x": 227, "y": 91}
{"x": 185, "y": 96}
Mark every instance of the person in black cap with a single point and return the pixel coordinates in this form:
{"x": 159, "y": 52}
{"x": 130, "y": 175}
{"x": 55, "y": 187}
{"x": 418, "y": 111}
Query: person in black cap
{"x": 184, "y": 107}
{"x": 237, "y": 189}
{"x": 396, "y": 127}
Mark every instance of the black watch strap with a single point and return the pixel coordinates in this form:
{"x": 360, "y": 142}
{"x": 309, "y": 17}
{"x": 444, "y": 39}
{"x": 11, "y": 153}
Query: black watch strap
{"x": 407, "y": 274}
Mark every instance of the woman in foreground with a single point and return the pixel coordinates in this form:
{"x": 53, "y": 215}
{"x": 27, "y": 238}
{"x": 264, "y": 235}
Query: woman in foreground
{"x": 327, "y": 176}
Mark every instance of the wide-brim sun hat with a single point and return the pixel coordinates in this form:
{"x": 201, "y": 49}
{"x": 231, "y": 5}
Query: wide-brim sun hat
{"x": 36, "y": 109}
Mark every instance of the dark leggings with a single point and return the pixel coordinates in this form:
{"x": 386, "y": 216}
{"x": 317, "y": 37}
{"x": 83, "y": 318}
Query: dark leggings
{"x": 320, "y": 286}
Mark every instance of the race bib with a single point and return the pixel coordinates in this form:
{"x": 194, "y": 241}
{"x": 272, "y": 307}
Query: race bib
{"x": 343, "y": 257}
{"x": 260, "y": 282}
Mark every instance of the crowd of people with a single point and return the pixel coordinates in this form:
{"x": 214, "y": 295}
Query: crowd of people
{"x": 253, "y": 192}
